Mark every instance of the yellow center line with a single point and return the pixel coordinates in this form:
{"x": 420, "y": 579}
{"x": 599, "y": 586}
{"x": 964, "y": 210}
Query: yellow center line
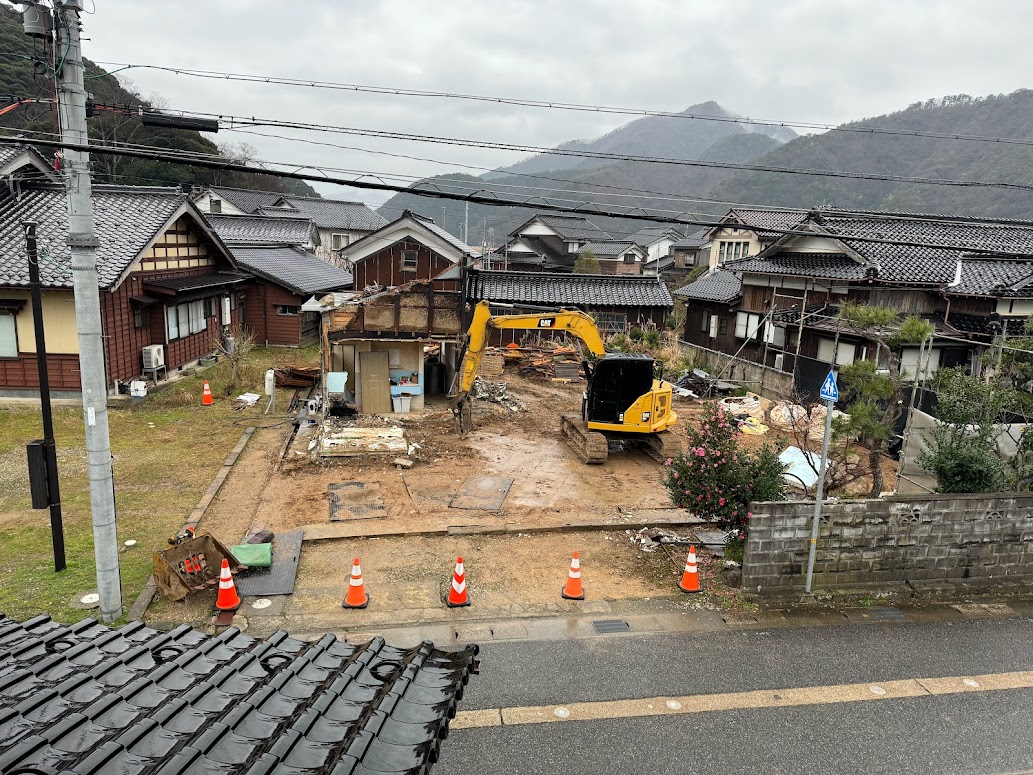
{"x": 765, "y": 698}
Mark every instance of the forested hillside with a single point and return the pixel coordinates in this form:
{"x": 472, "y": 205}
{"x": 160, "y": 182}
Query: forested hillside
{"x": 20, "y": 76}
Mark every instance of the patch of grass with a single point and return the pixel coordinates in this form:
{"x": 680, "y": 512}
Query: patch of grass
{"x": 166, "y": 451}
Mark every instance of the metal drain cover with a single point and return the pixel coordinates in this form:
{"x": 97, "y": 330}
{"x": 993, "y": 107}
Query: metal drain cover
{"x": 608, "y": 626}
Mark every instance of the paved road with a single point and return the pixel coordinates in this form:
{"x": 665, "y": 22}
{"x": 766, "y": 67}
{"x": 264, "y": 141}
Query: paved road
{"x": 974, "y": 731}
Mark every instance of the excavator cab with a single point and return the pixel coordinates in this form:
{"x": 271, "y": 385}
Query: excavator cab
{"x": 615, "y": 383}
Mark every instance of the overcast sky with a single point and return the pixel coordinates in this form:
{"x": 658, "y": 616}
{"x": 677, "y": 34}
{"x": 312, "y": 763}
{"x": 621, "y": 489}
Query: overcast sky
{"x": 806, "y": 60}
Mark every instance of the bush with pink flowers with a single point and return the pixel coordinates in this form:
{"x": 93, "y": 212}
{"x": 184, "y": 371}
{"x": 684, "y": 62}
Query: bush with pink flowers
{"x": 716, "y": 479}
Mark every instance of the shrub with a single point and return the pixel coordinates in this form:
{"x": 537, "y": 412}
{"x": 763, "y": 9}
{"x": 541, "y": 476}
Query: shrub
{"x": 635, "y": 334}
{"x": 651, "y": 338}
{"x": 619, "y": 343}
{"x": 716, "y": 479}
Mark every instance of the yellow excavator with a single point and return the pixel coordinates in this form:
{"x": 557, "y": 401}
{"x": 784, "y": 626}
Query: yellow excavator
{"x": 624, "y": 402}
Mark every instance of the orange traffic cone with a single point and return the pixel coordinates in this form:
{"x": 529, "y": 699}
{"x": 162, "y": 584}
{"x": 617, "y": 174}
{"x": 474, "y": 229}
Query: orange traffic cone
{"x": 356, "y": 597}
{"x": 573, "y": 590}
{"x": 457, "y": 593}
{"x": 206, "y": 398}
{"x": 228, "y": 599}
{"x": 690, "y": 578}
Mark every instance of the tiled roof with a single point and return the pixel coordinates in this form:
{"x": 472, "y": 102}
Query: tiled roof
{"x": 573, "y": 227}
{"x": 543, "y": 249}
{"x": 569, "y": 290}
{"x": 126, "y": 218}
{"x": 909, "y": 264}
{"x": 811, "y": 313}
{"x": 10, "y": 152}
{"x": 429, "y": 224}
{"x": 986, "y": 324}
{"x": 650, "y": 234}
{"x": 610, "y": 248}
{"x": 829, "y": 266}
{"x": 91, "y": 700}
{"x": 197, "y": 282}
{"x": 291, "y": 267}
{"x": 244, "y": 198}
{"x": 986, "y": 277}
{"x": 255, "y": 229}
{"x": 335, "y": 213}
{"x": 762, "y": 221}
{"x": 695, "y": 240}
{"x": 659, "y": 264}
{"x": 720, "y": 285}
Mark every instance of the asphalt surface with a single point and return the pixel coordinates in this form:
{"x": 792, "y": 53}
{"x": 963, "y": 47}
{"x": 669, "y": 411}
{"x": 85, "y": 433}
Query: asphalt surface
{"x": 979, "y": 732}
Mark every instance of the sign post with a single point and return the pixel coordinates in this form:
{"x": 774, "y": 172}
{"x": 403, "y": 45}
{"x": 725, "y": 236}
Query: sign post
{"x": 830, "y": 395}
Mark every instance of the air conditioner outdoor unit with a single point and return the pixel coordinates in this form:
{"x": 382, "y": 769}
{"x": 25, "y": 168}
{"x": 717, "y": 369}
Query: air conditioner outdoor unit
{"x": 153, "y": 356}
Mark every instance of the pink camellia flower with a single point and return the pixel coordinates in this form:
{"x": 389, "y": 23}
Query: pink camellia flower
{"x": 721, "y": 502}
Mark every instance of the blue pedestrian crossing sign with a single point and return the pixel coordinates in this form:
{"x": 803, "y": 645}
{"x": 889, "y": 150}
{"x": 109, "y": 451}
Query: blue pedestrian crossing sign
{"x": 829, "y": 388}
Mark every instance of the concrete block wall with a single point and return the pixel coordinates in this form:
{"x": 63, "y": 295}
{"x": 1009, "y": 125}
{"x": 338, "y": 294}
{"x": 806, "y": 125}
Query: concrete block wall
{"x": 941, "y": 538}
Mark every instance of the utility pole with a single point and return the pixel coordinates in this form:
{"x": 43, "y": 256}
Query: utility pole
{"x": 466, "y": 224}
{"x": 57, "y": 531}
{"x": 83, "y": 243}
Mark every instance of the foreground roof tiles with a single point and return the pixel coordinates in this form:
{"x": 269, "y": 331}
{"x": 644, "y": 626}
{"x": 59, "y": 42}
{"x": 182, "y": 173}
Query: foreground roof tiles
{"x": 827, "y": 266}
{"x": 569, "y": 290}
{"x": 85, "y": 699}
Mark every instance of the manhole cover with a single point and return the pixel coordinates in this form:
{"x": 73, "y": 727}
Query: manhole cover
{"x": 608, "y": 626}
{"x": 90, "y": 599}
{"x": 262, "y": 603}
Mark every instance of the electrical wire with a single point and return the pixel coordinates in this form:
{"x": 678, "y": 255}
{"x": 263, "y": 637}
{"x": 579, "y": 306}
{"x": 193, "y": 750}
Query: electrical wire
{"x": 531, "y": 149}
{"x": 589, "y": 209}
{"x": 709, "y": 220}
{"x": 558, "y": 105}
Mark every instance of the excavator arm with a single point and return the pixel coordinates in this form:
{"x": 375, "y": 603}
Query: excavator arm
{"x": 575, "y": 323}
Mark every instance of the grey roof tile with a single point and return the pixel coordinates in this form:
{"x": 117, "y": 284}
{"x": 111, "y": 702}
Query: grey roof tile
{"x": 257, "y": 229}
{"x": 291, "y": 267}
{"x": 611, "y": 248}
{"x": 650, "y": 234}
{"x": 831, "y": 266}
{"x": 126, "y": 218}
{"x": 721, "y": 286}
{"x": 693, "y": 241}
{"x": 246, "y": 199}
{"x": 450, "y": 238}
{"x": 335, "y": 213}
{"x": 987, "y": 277}
{"x": 574, "y": 227}
{"x": 762, "y": 221}
{"x": 570, "y": 290}
{"x": 94, "y": 700}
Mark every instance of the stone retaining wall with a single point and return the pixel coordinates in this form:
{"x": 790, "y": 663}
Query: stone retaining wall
{"x": 940, "y": 538}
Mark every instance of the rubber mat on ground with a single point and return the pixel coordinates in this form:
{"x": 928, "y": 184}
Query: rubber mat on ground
{"x": 483, "y": 493}
{"x": 278, "y": 579}
{"x": 355, "y": 500}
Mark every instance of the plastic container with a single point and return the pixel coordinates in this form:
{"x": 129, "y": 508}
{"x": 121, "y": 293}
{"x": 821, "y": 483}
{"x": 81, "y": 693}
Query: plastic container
{"x": 402, "y": 404}
{"x": 435, "y": 377}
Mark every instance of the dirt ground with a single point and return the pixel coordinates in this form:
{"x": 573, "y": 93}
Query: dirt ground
{"x": 550, "y": 483}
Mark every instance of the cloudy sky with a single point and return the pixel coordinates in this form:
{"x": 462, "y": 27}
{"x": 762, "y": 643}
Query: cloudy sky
{"x": 825, "y": 61}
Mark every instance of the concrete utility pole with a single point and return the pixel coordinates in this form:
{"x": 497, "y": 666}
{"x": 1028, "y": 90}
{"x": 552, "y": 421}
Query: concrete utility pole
{"x": 466, "y": 224}
{"x": 83, "y": 244}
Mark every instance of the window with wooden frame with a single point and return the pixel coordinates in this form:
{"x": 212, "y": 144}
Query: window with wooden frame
{"x": 338, "y": 241}
{"x": 409, "y": 258}
{"x": 141, "y": 318}
{"x": 611, "y": 322}
{"x": 287, "y": 309}
{"x": 722, "y": 327}
{"x": 215, "y": 206}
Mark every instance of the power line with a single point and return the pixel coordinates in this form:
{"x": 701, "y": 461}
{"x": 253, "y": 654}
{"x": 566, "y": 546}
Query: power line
{"x": 589, "y": 209}
{"x": 396, "y": 91}
{"x": 531, "y": 149}
{"x": 467, "y": 186}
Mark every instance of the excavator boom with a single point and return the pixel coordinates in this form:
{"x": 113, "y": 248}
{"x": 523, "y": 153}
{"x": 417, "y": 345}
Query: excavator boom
{"x": 571, "y": 321}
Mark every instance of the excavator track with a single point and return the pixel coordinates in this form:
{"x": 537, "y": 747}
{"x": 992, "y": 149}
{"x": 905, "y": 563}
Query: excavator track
{"x": 657, "y": 446}
{"x": 591, "y": 446}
